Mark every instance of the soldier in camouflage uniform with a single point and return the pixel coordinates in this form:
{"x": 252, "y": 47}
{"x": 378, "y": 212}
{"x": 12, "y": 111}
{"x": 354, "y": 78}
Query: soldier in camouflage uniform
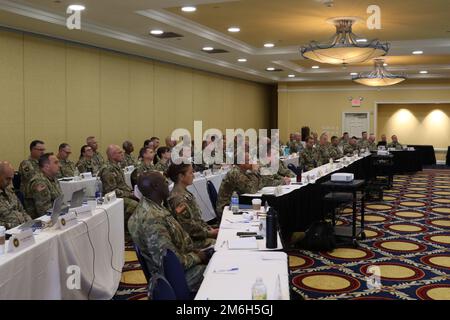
{"x": 335, "y": 150}
{"x": 372, "y": 145}
{"x": 128, "y": 160}
{"x": 28, "y": 169}
{"x": 44, "y": 186}
{"x": 350, "y": 147}
{"x": 154, "y": 230}
{"x": 364, "y": 142}
{"x": 189, "y": 215}
{"x": 309, "y": 157}
{"x": 67, "y": 167}
{"x": 113, "y": 179}
{"x": 12, "y": 213}
{"x": 164, "y": 156}
{"x": 86, "y": 164}
{"x": 395, "y": 144}
{"x": 344, "y": 140}
{"x": 97, "y": 158}
{"x": 146, "y": 156}
{"x": 323, "y": 150}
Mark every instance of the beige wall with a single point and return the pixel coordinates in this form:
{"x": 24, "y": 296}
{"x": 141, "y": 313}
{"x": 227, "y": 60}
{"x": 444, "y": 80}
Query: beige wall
{"x": 321, "y": 105}
{"x": 417, "y": 124}
{"x": 62, "y": 92}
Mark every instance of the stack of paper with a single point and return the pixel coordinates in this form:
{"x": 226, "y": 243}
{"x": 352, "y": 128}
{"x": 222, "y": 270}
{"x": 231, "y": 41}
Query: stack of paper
{"x": 243, "y": 244}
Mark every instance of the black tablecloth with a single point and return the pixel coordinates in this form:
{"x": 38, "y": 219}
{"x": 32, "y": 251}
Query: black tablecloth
{"x": 426, "y": 154}
{"x": 448, "y": 157}
{"x": 406, "y": 161}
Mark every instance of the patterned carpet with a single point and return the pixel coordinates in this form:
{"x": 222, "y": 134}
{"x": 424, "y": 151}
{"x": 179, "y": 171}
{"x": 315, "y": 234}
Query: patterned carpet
{"x": 408, "y": 240}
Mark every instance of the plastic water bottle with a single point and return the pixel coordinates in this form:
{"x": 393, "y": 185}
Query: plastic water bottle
{"x": 234, "y": 202}
{"x": 259, "y": 290}
{"x": 76, "y": 173}
{"x": 98, "y": 188}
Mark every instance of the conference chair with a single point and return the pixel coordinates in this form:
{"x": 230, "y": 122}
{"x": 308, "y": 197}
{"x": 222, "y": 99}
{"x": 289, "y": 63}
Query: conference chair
{"x": 174, "y": 273}
{"x": 212, "y": 192}
{"x": 16, "y": 185}
{"x": 143, "y": 263}
{"x": 160, "y": 289}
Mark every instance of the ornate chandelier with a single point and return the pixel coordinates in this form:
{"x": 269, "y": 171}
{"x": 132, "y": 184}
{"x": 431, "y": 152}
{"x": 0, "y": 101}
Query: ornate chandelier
{"x": 379, "y": 77}
{"x": 345, "y": 47}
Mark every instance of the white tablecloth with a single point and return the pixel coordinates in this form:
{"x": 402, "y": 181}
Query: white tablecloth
{"x": 69, "y": 187}
{"x": 39, "y": 271}
{"x": 238, "y": 285}
{"x": 231, "y": 224}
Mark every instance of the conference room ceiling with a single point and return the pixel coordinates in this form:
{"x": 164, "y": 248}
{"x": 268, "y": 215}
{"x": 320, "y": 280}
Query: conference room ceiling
{"x": 409, "y": 25}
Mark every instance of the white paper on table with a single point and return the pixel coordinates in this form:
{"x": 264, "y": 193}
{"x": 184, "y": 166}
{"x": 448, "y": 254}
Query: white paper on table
{"x": 243, "y": 243}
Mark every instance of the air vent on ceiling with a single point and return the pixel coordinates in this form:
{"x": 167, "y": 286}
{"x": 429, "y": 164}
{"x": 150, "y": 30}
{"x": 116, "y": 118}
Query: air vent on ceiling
{"x": 167, "y": 35}
{"x": 215, "y": 51}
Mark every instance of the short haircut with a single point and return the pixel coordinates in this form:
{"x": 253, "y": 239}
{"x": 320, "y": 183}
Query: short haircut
{"x": 354, "y": 138}
{"x": 147, "y": 142}
{"x": 34, "y": 143}
{"x": 143, "y": 151}
{"x": 126, "y": 143}
{"x": 83, "y": 150}
{"x": 62, "y": 146}
{"x": 154, "y": 138}
{"x": 309, "y": 138}
{"x": 162, "y": 150}
{"x": 45, "y": 159}
{"x": 334, "y": 138}
{"x": 364, "y": 132}
{"x": 89, "y": 138}
{"x": 345, "y": 133}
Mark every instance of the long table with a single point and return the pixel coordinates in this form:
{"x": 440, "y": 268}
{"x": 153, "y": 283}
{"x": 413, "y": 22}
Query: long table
{"x": 96, "y": 247}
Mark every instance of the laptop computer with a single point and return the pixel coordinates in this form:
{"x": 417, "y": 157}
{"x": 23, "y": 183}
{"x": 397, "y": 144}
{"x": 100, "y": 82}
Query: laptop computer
{"x": 76, "y": 201}
{"x": 55, "y": 213}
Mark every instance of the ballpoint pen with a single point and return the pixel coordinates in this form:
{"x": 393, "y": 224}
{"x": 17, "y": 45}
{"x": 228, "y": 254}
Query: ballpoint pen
{"x": 226, "y": 270}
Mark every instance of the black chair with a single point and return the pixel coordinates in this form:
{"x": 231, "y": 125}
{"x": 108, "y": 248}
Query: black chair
{"x": 212, "y": 192}
{"x": 16, "y": 185}
{"x": 143, "y": 263}
{"x": 334, "y": 202}
{"x": 174, "y": 273}
{"x": 160, "y": 289}
{"x": 133, "y": 178}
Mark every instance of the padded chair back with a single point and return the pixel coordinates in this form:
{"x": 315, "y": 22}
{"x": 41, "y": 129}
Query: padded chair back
{"x": 143, "y": 263}
{"x": 174, "y": 273}
{"x": 160, "y": 289}
{"x": 16, "y": 181}
{"x": 212, "y": 192}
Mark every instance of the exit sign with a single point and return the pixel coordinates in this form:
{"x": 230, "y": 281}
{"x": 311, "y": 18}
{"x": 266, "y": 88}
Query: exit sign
{"x": 356, "y": 103}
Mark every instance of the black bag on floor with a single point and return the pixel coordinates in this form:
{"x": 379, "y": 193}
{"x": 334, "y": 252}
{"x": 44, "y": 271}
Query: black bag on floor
{"x": 320, "y": 237}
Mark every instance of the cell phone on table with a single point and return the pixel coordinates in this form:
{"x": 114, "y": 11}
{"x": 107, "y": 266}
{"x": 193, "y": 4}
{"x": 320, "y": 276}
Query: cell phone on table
{"x": 239, "y": 212}
{"x": 246, "y": 234}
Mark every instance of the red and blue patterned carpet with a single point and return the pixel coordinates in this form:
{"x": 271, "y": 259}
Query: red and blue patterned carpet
{"x": 408, "y": 241}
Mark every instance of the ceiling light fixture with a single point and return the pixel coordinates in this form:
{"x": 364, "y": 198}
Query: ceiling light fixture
{"x": 269, "y": 45}
{"x": 156, "y": 32}
{"x": 242, "y": 60}
{"x": 189, "y": 9}
{"x": 234, "y": 29}
{"x": 207, "y": 48}
{"x": 417, "y": 52}
{"x": 315, "y": 67}
{"x": 270, "y": 69}
{"x": 291, "y": 75}
{"x": 354, "y": 73}
{"x": 77, "y": 7}
{"x": 423, "y": 72}
{"x": 344, "y": 47}
{"x": 379, "y": 77}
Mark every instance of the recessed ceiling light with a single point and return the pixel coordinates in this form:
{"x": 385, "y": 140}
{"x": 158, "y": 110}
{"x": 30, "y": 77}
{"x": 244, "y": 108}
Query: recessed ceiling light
{"x": 385, "y": 64}
{"x": 291, "y": 75}
{"x": 234, "y": 29}
{"x": 315, "y": 67}
{"x": 423, "y": 72}
{"x": 354, "y": 73}
{"x": 361, "y": 40}
{"x": 270, "y": 69}
{"x": 417, "y": 52}
{"x": 269, "y": 45}
{"x": 188, "y": 9}
{"x": 77, "y": 7}
{"x": 156, "y": 32}
{"x": 207, "y": 48}
{"x": 242, "y": 60}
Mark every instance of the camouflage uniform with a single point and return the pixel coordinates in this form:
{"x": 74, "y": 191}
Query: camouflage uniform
{"x": 67, "y": 169}
{"x": 191, "y": 217}
{"x": 113, "y": 179}
{"x": 239, "y": 181}
{"x": 323, "y": 154}
{"x": 27, "y": 170}
{"x": 85, "y": 165}
{"x": 140, "y": 169}
{"x": 98, "y": 160}
{"x": 372, "y": 146}
{"x": 284, "y": 171}
{"x": 363, "y": 144}
{"x": 44, "y": 191}
{"x": 295, "y": 146}
{"x": 154, "y": 230}
{"x": 395, "y": 145}
{"x": 128, "y": 161}
{"x": 348, "y": 148}
{"x": 12, "y": 213}
{"x": 162, "y": 167}
{"x": 308, "y": 159}
{"x": 335, "y": 152}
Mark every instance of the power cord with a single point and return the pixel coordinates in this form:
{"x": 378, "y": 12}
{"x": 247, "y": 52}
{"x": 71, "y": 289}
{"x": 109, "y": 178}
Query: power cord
{"x": 93, "y": 260}
{"x": 109, "y": 241}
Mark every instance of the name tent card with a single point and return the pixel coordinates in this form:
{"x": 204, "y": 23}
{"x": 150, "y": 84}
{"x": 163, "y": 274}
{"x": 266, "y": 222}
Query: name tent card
{"x": 21, "y": 240}
{"x": 67, "y": 220}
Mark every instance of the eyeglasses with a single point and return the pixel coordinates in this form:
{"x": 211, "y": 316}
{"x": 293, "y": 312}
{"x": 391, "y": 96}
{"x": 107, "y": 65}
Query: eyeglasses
{"x": 39, "y": 149}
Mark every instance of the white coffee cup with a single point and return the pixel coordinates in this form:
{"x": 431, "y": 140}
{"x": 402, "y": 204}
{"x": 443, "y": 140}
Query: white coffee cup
{"x": 92, "y": 204}
{"x": 256, "y": 203}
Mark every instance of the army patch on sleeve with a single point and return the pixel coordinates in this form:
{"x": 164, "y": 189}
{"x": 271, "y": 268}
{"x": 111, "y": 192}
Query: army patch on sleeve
{"x": 39, "y": 187}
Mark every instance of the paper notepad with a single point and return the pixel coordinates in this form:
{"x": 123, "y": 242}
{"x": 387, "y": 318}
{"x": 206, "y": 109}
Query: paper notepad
{"x": 243, "y": 243}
